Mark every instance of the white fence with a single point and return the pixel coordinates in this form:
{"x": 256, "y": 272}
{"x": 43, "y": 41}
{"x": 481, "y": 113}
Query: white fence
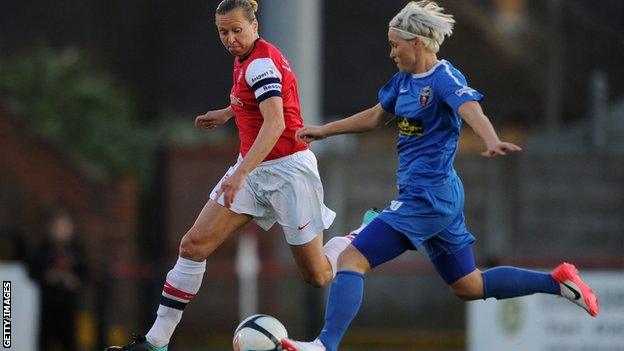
{"x": 547, "y": 323}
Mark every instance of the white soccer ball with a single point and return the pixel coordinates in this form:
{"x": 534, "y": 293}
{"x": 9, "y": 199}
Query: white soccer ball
{"x": 259, "y": 333}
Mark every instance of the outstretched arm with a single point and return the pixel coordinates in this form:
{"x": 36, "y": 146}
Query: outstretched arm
{"x": 472, "y": 113}
{"x": 213, "y": 119}
{"x": 364, "y": 121}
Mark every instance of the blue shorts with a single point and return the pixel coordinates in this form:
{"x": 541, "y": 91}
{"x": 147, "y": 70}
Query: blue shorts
{"x": 429, "y": 217}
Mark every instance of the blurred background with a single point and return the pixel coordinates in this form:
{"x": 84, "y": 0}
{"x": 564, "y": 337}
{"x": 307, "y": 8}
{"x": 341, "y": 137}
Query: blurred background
{"x": 102, "y": 172}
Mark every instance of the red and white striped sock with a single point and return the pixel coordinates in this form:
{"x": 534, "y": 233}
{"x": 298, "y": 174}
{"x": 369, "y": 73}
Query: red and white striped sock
{"x": 182, "y": 283}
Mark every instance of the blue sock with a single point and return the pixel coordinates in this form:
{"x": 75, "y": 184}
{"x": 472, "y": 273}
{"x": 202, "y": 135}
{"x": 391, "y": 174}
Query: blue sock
{"x": 505, "y": 282}
{"x": 345, "y": 298}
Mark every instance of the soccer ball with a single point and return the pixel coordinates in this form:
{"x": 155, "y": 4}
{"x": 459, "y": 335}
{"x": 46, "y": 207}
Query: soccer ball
{"x": 259, "y": 333}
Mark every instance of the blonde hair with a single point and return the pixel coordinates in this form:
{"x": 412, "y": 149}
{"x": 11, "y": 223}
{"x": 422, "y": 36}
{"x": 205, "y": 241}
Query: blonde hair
{"x": 425, "y": 20}
{"x": 249, "y": 7}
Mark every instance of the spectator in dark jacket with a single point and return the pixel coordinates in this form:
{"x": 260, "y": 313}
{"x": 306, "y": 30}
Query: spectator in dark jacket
{"x": 59, "y": 266}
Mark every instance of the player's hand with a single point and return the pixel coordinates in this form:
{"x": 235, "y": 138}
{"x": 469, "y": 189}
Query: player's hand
{"x": 211, "y": 119}
{"x": 230, "y": 187}
{"x": 500, "y": 148}
{"x": 308, "y": 134}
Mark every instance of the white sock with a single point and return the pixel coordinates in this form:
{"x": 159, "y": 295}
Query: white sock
{"x": 182, "y": 283}
{"x": 333, "y": 248}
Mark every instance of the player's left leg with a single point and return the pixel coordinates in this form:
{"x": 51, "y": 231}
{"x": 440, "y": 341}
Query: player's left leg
{"x": 292, "y": 190}
{"x": 318, "y": 263}
{"x": 313, "y": 265}
{"x": 459, "y": 271}
{"x": 503, "y": 282}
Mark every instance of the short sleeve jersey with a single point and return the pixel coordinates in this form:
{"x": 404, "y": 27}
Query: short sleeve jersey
{"x": 265, "y": 73}
{"x": 426, "y": 106}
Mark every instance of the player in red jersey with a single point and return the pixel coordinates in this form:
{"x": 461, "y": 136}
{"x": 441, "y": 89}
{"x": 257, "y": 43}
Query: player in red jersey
{"x": 275, "y": 179}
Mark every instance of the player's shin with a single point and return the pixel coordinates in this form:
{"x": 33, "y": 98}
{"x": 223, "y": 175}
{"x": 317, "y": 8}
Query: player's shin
{"x": 345, "y": 298}
{"x": 505, "y": 282}
{"x": 182, "y": 283}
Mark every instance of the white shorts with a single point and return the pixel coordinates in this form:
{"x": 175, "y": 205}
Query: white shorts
{"x": 286, "y": 190}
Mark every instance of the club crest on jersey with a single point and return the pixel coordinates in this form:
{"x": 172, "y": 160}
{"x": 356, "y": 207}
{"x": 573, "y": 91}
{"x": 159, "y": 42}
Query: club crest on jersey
{"x": 424, "y": 96}
{"x": 235, "y": 101}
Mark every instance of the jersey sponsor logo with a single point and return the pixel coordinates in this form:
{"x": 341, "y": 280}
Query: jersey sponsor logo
{"x": 394, "y": 205}
{"x": 235, "y": 101}
{"x": 403, "y": 91}
{"x": 268, "y": 73}
{"x": 410, "y": 127}
{"x": 425, "y": 93}
{"x": 272, "y": 87}
{"x": 464, "y": 90}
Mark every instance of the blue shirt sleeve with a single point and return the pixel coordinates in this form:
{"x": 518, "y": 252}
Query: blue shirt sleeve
{"x": 454, "y": 89}
{"x": 389, "y": 92}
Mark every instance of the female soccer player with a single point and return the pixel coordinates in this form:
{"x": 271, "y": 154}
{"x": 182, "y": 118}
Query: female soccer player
{"x": 275, "y": 179}
{"x": 429, "y": 98}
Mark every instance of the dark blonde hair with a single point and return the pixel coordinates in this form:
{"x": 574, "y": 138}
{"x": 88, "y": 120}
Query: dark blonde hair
{"x": 249, "y": 7}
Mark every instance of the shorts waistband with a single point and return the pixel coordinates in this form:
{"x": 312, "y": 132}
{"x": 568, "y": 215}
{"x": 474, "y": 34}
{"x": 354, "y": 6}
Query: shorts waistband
{"x": 296, "y": 155}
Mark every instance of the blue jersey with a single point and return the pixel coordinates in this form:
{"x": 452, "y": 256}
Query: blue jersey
{"x": 426, "y": 106}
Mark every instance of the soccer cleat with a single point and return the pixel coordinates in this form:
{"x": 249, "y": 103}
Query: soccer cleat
{"x": 574, "y": 288}
{"x": 138, "y": 343}
{"x": 292, "y": 345}
{"x": 368, "y": 217}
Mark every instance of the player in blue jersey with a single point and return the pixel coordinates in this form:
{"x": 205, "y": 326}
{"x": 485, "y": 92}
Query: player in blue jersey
{"x": 429, "y": 98}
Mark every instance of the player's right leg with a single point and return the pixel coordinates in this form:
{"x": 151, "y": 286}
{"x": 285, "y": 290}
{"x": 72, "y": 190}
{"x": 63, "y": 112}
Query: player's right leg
{"x": 214, "y": 224}
{"x": 503, "y": 282}
{"x": 376, "y": 244}
{"x": 345, "y": 298}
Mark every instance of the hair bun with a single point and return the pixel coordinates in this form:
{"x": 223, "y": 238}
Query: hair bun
{"x": 254, "y": 5}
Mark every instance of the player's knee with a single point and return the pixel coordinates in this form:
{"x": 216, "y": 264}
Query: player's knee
{"x": 468, "y": 287}
{"x": 316, "y": 279}
{"x": 352, "y": 260}
{"x": 193, "y": 247}
{"x": 466, "y": 293}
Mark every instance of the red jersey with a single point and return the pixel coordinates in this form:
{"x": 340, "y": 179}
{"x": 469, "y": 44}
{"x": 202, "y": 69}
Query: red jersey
{"x": 264, "y": 73}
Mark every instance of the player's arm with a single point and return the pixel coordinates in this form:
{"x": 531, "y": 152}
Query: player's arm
{"x": 272, "y": 127}
{"x": 472, "y": 113}
{"x": 213, "y": 119}
{"x": 364, "y": 121}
